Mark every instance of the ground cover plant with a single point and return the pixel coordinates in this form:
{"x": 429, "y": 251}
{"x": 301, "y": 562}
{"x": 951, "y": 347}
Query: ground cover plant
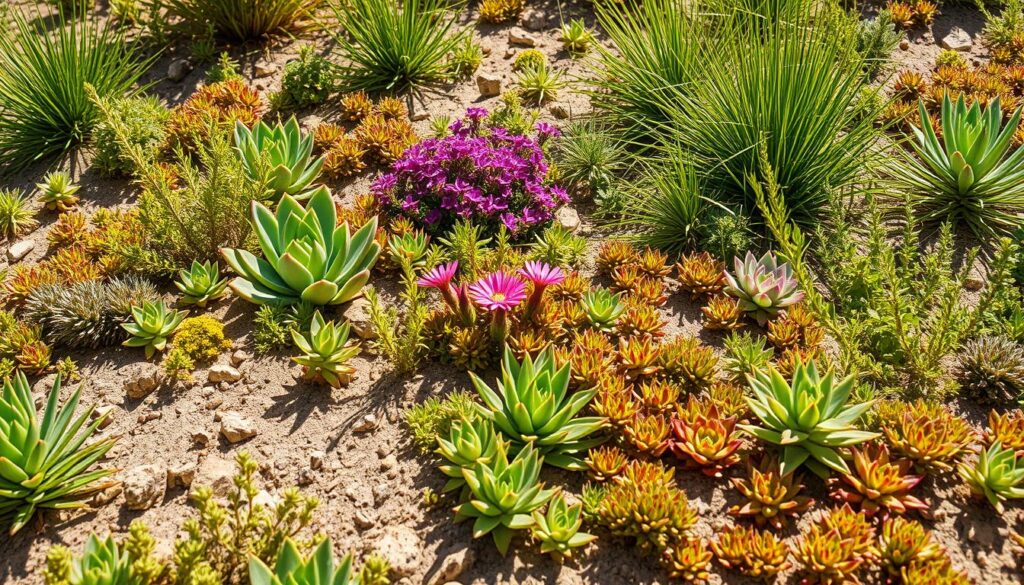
{"x": 506, "y": 292}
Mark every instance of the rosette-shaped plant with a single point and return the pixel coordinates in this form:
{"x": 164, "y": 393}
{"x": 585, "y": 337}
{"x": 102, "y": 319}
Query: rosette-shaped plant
{"x": 201, "y": 283}
{"x": 771, "y": 496}
{"x": 503, "y": 496}
{"x": 45, "y": 461}
{"x": 558, "y": 529}
{"x": 603, "y": 308}
{"x": 904, "y": 542}
{"x": 836, "y": 547}
{"x": 326, "y": 351}
{"x": 470, "y": 442}
{"x": 809, "y": 419}
{"x": 644, "y": 503}
{"x": 1007, "y": 428}
{"x": 708, "y": 442}
{"x": 308, "y": 257}
{"x": 107, "y": 562}
{"x": 997, "y": 476}
{"x": 878, "y": 483}
{"x": 763, "y": 287}
{"x": 532, "y": 406}
{"x": 278, "y": 156}
{"x": 926, "y": 433}
{"x": 291, "y": 569}
{"x": 58, "y": 192}
{"x": 606, "y": 462}
{"x": 756, "y": 553}
{"x": 153, "y": 324}
{"x": 701, "y": 274}
{"x": 688, "y": 560}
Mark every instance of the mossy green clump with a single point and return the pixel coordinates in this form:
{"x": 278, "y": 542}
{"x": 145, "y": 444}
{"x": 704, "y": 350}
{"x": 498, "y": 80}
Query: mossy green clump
{"x": 198, "y": 339}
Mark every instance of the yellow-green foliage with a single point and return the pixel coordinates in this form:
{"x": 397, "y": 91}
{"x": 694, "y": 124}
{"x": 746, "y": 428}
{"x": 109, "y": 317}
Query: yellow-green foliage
{"x": 499, "y": 11}
{"x": 105, "y": 561}
{"x": 530, "y": 58}
{"x": 198, "y": 339}
{"x": 434, "y": 416}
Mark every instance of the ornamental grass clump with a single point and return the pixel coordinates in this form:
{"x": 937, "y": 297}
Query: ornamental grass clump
{"x": 307, "y": 255}
{"x": 531, "y": 405}
{"x": 809, "y": 419}
{"x": 245, "y": 20}
{"x": 45, "y": 461}
{"x": 487, "y": 175}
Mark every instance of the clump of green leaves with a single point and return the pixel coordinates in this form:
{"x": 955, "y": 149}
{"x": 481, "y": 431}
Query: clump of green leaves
{"x": 433, "y": 418}
{"x": 666, "y": 207}
{"x": 307, "y": 81}
{"x": 197, "y": 340}
{"x": 877, "y": 38}
{"x": 400, "y": 333}
{"x": 270, "y": 328}
{"x": 539, "y": 84}
{"x": 244, "y": 20}
{"x": 590, "y": 159}
{"x": 140, "y": 121}
{"x": 16, "y": 213}
{"x": 726, "y": 234}
{"x": 224, "y": 69}
{"x": 558, "y": 246}
{"x": 465, "y": 59}
{"x": 130, "y": 561}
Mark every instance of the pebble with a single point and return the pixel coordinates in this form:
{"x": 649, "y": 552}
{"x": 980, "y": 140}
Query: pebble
{"x": 239, "y": 357}
{"x": 216, "y": 473}
{"x": 107, "y": 412}
{"x": 488, "y": 85}
{"x": 367, "y": 423}
{"x": 520, "y": 39}
{"x": 358, "y": 315}
{"x": 149, "y": 416}
{"x": 182, "y": 475}
{"x": 957, "y": 40}
{"x": 144, "y": 487}
{"x": 316, "y": 460}
{"x": 214, "y": 403}
{"x": 223, "y": 373}
{"x": 178, "y": 70}
{"x": 568, "y": 218}
{"x": 402, "y": 547}
{"x": 19, "y": 250}
{"x": 236, "y": 428}
{"x": 142, "y": 379}
{"x": 363, "y": 520}
{"x": 455, "y": 563}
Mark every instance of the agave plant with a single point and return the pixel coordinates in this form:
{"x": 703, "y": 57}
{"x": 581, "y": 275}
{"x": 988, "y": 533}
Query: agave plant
{"x": 969, "y": 175}
{"x": 532, "y": 406}
{"x": 201, "y": 283}
{"x": 503, "y": 495}
{"x": 153, "y": 324}
{"x": 470, "y": 442}
{"x": 603, "y": 308}
{"x": 278, "y": 156}
{"x": 58, "y": 192}
{"x": 997, "y": 476}
{"x": 45, "y": 462}
{"x": 762, "y": 286}
{"x": 308, "y": 256}
{"x": 809, "y": 419}
{"x": 326, "y": 351}
{"x": 558, "y": 529}
{"x": 291, "y": 569}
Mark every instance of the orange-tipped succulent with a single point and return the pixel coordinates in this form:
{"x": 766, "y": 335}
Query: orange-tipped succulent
{"x": 688, "y": 560}
{"x": 878, "y": 484}
{"x": 605, "y": 462}
{"x": 835, "y": 547}
{"x": 722, "y": 313}
{"x": 648, "y": 433}
{"x": 783, "y": 333}
{"x": 902, "y": 14}
{"x": 640, "y": 320}
{"x": 649, "y": 292}
{"x": 34, "y": 357}
{"x": 392, "y": 108}
{"x": 925, "y": 11}
{"x": 935, "y": 572}
{"x": 327, "y": 135}
{"x": 355, "y": 106}
{"x": 638, "y": 357}
{"x": 1008, "y": 429}
{"x": 653, "y": 263}
{"x": 69, "y": 229}
{"x": 614, "y": 254}
{"x": 904, "y": 542}
{"x": 926, "y": 433}
{"x": 658, "y": 395}
{"x": 752, "y": 552}
{"x": 644, "y": 503}
{"x": 589, "y": 367}
{"x": 471, "y": 348}
{"x": 527, "y": 342}
{"x": 771, "y": 497}
{"x": 790, "y": 357}
{"x": 709, "y": 442}
{"x": 345, "y": 158}
{"x": 627, "y": 278}
{"x": 686, "y": 359}
{"x": 701, "y": 274}
{"x": 730, "y": 399}
{"x": 854, "y": 527}
{"x": 614, "y": 402}
{"x": 571, "y": 289}
{"x": 910, "y": 85}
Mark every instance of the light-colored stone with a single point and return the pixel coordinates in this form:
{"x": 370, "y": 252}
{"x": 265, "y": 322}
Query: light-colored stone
{"x": 215, "y": 473}
{"x": 568, "y": 218}
{"x": 534, "y": 20}
{"x": 519, "y": 38}
{"x": 358, "y": 315}
{"x": 265, "y": 69}
{"x": 488, "y": 85}
{"x": 202, "y": 437}
{"x": 266, "y": 499}
{"x": 223, "y": 373}
{"x": 239, "y": 357}
{"x": 402, "y": 547}
{"x": 183, "y": 474}
{"x": 141, "y": 379}
{"x": 455, "y": 563}
{"x": 957, "y": 40}
{"x": 107, "y": 412}
{"x": 236, "y": 428}
{"x": 144, "y": 487}
{"x": 178, "y": 70}
{"x": 19, "y": 250}
{"x": 367, "y": 423}
{"x": 106, "y": 496}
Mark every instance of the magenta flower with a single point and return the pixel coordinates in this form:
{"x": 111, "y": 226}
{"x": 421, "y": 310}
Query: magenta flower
{"x": 498, "y": 293}
{"x": 440, "y": 277}
{"x": 542, "y": 275}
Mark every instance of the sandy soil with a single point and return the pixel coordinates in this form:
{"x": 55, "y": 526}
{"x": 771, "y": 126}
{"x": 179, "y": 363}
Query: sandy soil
{"x": 371, "y": 482}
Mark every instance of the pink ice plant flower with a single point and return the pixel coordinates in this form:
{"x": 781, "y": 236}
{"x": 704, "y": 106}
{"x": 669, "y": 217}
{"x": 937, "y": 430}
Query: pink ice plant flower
{"x": 440, "y": 277}
{"x": 542, "y": 275}
{"x": 498, "y": 293}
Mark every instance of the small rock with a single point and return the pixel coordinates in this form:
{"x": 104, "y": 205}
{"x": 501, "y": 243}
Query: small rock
{"x": 381, "y": 493}
{"x": 202, "y": 437}
{"x": 264, "y": 70}
{"x": 214, "y": 403}
{"x": 223, "y": 373}
{"x": 488, "y": 85}
{"x": 454, "y": 564}
{"x": 145, "y": 417}
{"x": 107, "y": 413}
{"x": 365, "y": 424}
{"x": 239, "y": 357}
{"x": 266, "y": 499}
{"x": 904, "y": 45}
{"x": 178, "y": 70}
{"x": 316, "y": 460}
{"x": 403, "y": 547}
{"x": 559, "y": 112}
{"x": 957, "y": 40}
{"x": 534, "y": 20}
{"x": 19, "y": 250}
{"x": 306, "y": 477}
{"x": 144, "y": 487}
{"x": 182, "y": 475}
{"x": 568, "y": 218}
{"x": 974, "y": 284}
{"x": 358, "y": 314}
{"x": 142, "y": 379}
{"x": 389, "y": 462}
{"x": 235, "y": 428}
{"x": 520, "y": 39}
{"x": 106, "y": 496}
{"x": 215, "y": 473}
{"x": 363, "y": 520}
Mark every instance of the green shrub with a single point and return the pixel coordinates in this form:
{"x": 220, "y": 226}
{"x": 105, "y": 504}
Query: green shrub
{"x": 307, "y": 81}
{"x": 44, "y": 107}
{"x": 16, "y": 213}
{"x": 433, "y": 418}
{"x": 877, "y": 38}
{"x": 590, "y": 158}
{"x": 270, "y": 329}
{"x": 389, "y": 47}
{"x": 130, "y": 562}
{"x": 666, "y": 207}
{"x": 197, "y": 340}
{"x": 243, "y": 20}
{"x": 726, "y": 234}
{"x": 141, "y": 120}
{"x": 465, "y": 59}
{"x": 224, "y": 69}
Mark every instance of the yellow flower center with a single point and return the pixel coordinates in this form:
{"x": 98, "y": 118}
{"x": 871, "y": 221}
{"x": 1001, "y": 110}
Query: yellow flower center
{"x": 498, "y": 297}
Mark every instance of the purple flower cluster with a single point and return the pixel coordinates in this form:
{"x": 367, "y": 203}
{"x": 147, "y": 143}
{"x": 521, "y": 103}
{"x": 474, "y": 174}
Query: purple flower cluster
{"x": 485, "y": 174}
